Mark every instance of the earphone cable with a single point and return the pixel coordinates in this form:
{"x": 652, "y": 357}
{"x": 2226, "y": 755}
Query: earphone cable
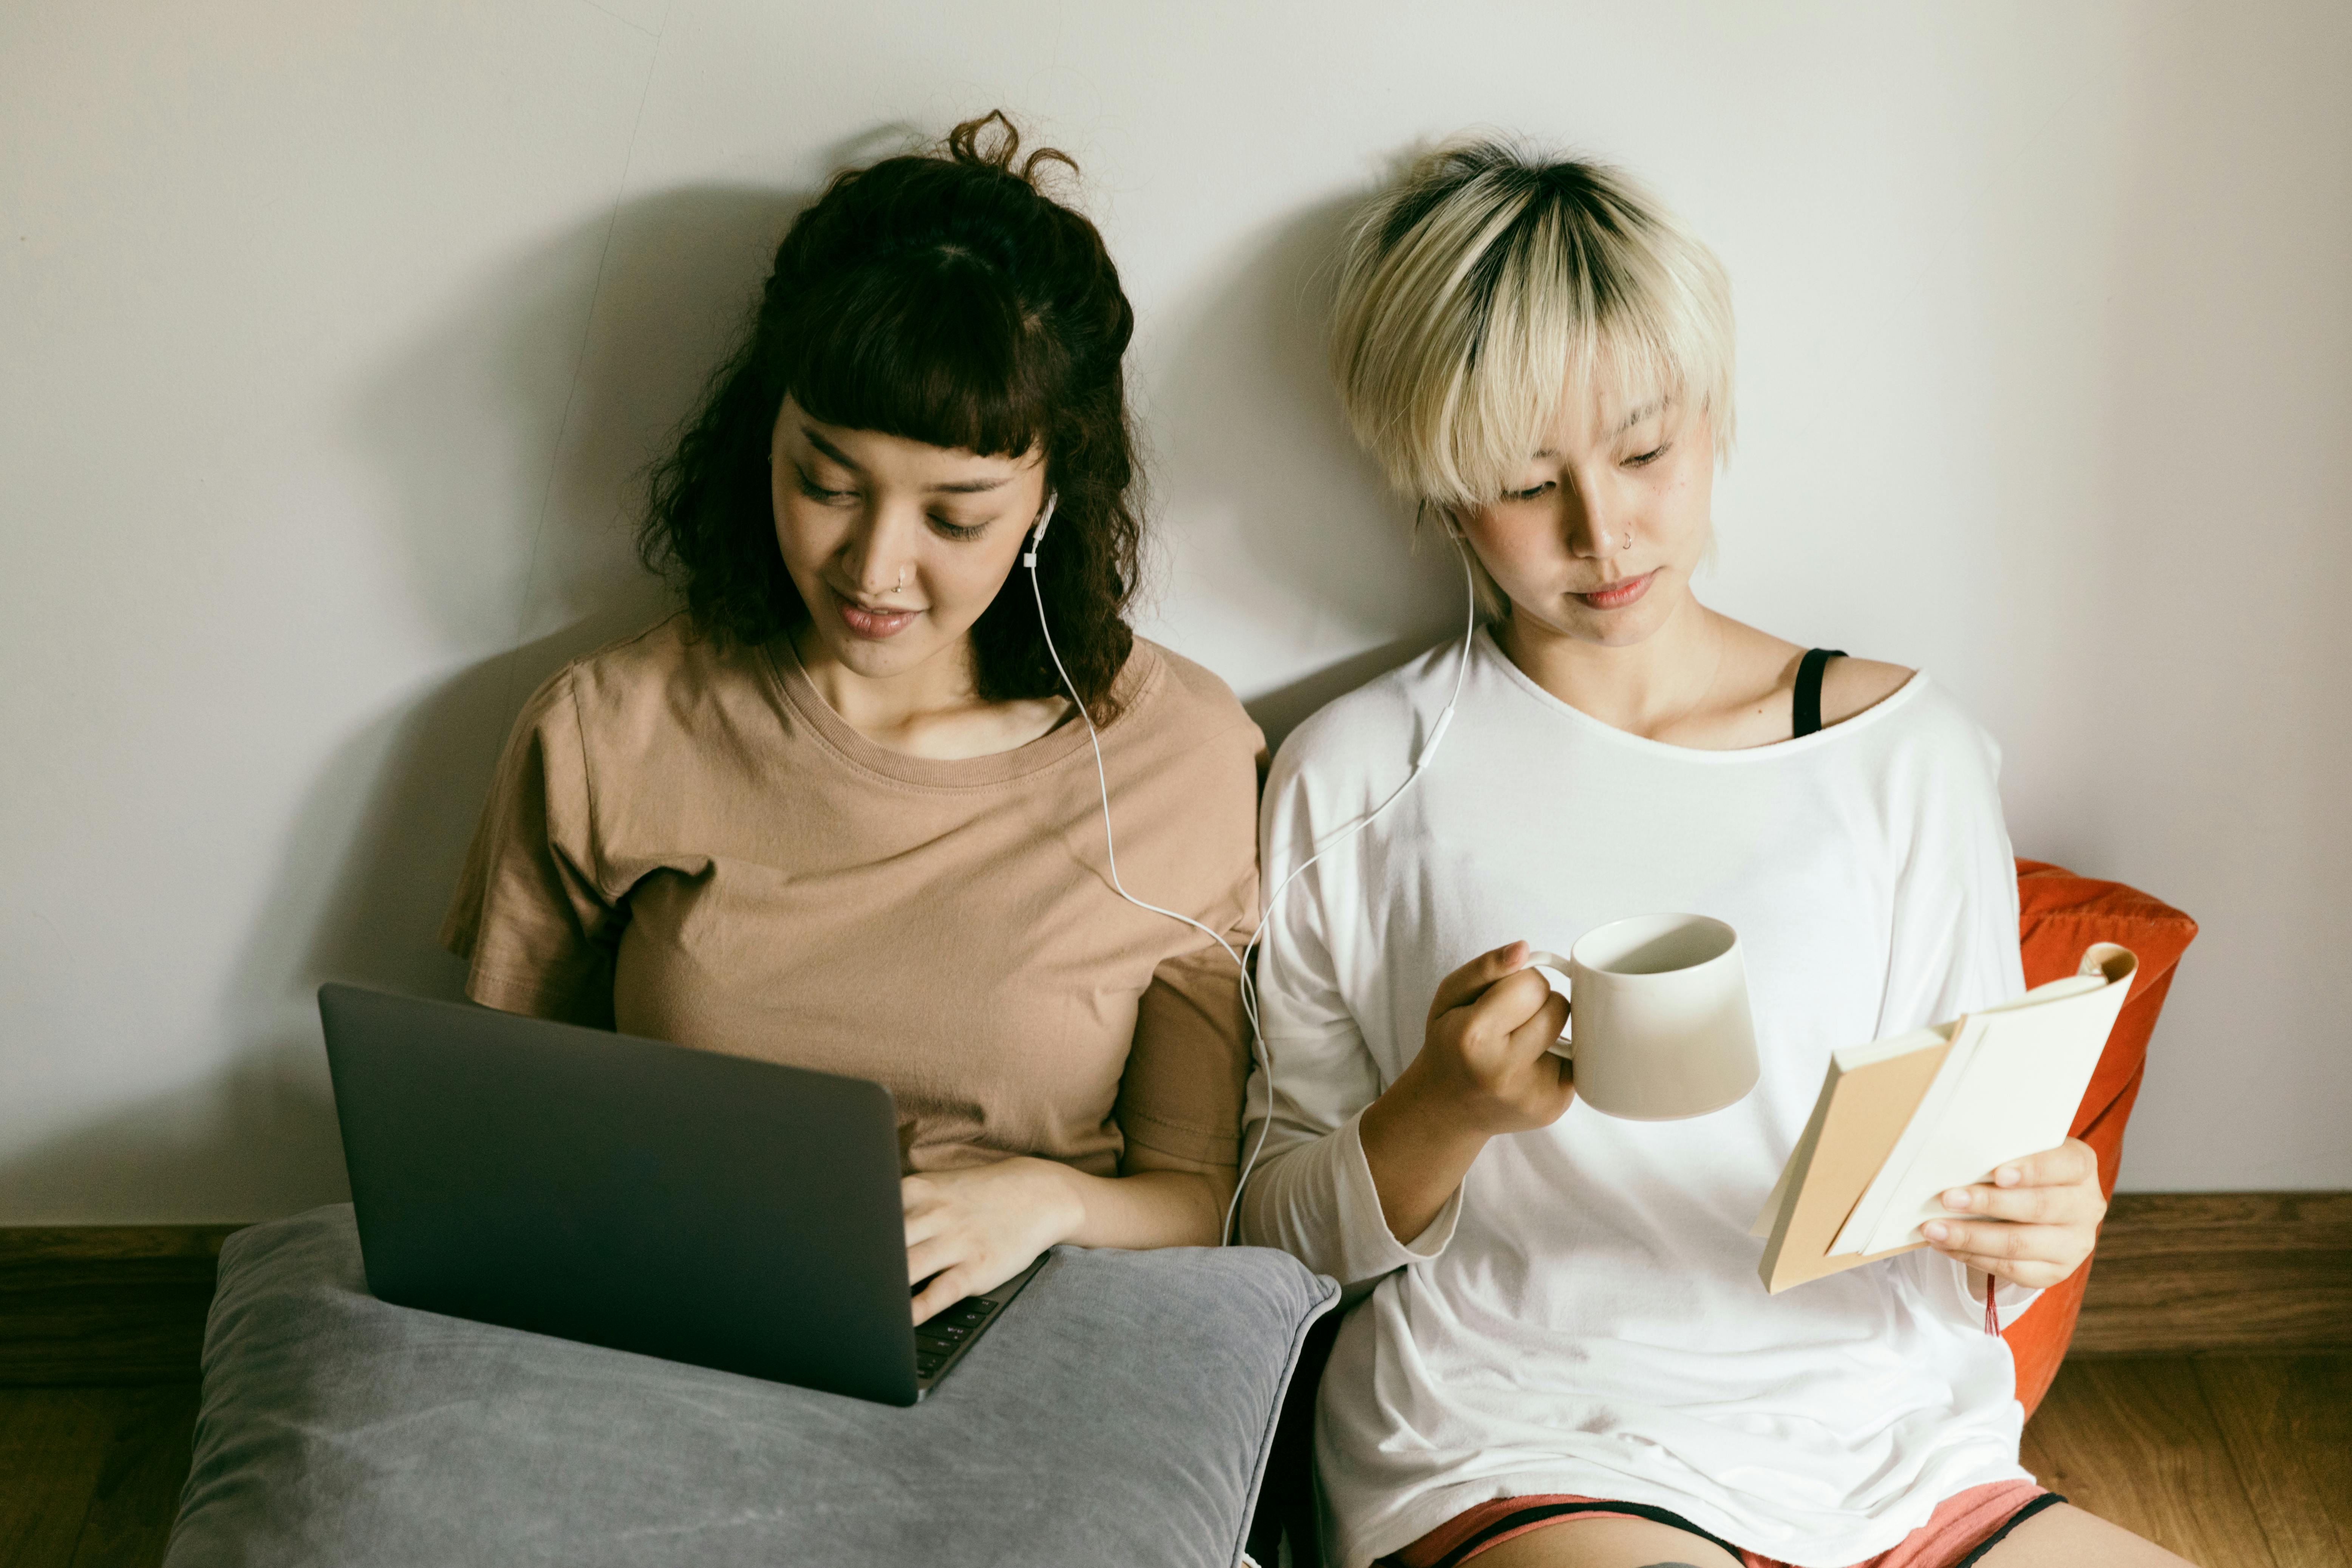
{"x": 1264, "y": 1050}
{"x": 1110, "y": 843}
{"x": 1337, "y": 837}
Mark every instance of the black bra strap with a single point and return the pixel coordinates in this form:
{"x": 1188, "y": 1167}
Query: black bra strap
{"x": 1809, "y": 688}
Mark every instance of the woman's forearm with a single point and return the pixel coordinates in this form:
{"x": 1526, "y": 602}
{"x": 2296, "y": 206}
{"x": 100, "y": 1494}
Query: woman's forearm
{"x": 1417, "y": 1160}
{"x": 1148, "y": 1208}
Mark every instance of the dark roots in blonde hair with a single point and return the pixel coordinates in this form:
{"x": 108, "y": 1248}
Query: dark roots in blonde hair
{"x": 944, "y": 299}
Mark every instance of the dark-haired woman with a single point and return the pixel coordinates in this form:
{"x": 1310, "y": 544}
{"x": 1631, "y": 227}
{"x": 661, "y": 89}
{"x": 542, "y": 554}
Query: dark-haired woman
{"x": 840, "y": 812}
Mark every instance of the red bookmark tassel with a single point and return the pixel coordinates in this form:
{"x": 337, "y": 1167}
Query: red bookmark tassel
{"x": 1992, "y": 1313}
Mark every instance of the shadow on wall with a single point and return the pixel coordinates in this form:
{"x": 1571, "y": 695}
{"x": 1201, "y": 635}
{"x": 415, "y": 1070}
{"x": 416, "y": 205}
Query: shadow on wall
{"x": 679, "y": 276}
{"x": 1281, "y": 516}
{"x": 562, "y": 413}
{"x": 1276, "y": 507}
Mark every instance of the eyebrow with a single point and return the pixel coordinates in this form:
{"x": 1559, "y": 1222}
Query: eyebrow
{"x": 965, "y": 488}
{"x": 1640, "y": 413}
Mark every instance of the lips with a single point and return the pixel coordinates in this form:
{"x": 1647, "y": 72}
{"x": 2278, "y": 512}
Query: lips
{"x": 874, "y": 625}
{"x": 1617, "y": 596}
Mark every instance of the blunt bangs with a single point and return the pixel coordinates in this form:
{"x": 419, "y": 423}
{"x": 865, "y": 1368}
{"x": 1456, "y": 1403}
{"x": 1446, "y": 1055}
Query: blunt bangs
{"x": 1489, "y": 289}
{"x": 928, "y": 346}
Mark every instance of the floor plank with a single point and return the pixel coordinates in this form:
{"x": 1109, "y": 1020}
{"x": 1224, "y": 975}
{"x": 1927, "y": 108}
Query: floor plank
{"x": 53, "y": 1444}
{"x": 137, "y": 1487}
{"x": 2134, "y": 1442}
{"x": 2288, "y": 1420}
{"x": 104, "y": 1304}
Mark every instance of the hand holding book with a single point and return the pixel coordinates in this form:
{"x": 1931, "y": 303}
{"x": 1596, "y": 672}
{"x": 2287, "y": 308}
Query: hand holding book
{"x": 2032, "y": 1224}
{"x": 1903, "y": 1125}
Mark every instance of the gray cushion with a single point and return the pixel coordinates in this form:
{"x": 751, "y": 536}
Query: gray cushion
{"x": 1118, "y": 1413}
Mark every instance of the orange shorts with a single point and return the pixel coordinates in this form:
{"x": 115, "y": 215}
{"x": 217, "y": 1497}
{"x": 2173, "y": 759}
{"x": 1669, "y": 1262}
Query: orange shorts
{"x": 1958, "y": 1532}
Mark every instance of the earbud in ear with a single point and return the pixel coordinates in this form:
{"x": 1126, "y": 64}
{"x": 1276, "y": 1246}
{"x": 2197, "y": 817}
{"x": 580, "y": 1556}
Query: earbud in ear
{"x": 1037, "y": 536}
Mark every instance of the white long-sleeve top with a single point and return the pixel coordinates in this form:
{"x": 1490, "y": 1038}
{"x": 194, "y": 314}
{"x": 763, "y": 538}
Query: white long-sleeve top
{"x": 1585, "y": 1316}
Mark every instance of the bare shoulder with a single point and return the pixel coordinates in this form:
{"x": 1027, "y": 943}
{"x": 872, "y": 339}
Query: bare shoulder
{"x": 1852, "y": 686}
{"x": 1760, "y": 672}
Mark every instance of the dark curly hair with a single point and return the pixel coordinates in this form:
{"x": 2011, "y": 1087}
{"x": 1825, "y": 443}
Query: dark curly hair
{"x": 942, "y": 298}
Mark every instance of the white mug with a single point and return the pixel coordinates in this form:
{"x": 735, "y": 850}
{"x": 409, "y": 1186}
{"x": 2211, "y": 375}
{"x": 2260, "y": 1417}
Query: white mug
{"x": 1660, "y": 1026}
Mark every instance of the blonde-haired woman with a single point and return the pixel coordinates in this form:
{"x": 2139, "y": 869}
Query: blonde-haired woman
{"x": 1565, "y": 1356}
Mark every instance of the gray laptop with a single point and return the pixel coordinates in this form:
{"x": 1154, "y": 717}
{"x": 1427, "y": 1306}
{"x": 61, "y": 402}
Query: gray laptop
{"x": 677, "y": 1203}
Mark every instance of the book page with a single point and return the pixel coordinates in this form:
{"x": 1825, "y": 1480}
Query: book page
{"x": 2054, "y": 991}
{"x": 2016, "y": 1095}
{"x": 1863, "y": 1225}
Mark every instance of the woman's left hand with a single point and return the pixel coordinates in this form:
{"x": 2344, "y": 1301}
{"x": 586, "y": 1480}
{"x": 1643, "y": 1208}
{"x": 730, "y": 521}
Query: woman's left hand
{"x": 2033, "y": 1222}
{"x": 971, "y": 1230}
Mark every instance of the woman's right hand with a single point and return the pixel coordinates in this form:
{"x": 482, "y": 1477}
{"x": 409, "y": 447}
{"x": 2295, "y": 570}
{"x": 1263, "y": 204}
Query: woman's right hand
{"x": 1485, "y": 1061}
{"x": 1486, "y": 1068}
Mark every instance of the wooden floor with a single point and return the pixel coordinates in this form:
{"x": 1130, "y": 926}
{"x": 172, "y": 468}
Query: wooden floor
{"x": 2231, "y": 1461}
{"x": 91, "y": 1477}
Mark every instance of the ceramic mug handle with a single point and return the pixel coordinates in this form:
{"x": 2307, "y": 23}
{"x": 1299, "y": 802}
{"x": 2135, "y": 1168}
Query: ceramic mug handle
{"x": 1558, "y": 965}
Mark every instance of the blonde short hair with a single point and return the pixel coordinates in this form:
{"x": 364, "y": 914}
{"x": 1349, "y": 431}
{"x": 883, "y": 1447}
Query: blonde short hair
{"x": 1490, "y": 284}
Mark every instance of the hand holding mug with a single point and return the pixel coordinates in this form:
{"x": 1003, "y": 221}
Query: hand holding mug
{"x": 1661, "y": 1027}
{"x": 1661, "y": 1032}
{"x": 1486, "y": 1055}
{"x": 1486, "y": 1068}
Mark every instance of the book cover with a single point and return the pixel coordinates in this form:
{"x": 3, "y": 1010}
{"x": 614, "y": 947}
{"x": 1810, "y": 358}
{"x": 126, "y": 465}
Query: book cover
{"x": 1900, "y": 1121}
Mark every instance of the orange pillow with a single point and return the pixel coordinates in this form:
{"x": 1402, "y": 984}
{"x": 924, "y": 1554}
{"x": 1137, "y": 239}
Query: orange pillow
{"x": 2059, "y": 915}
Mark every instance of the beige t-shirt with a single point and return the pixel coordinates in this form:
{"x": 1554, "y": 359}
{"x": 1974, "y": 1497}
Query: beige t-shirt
{"x": 684, "y": 842}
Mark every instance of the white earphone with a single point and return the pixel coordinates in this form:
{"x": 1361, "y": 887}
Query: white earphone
{"x": 1331, "y": 841}
{"x": 1029, "y": 559}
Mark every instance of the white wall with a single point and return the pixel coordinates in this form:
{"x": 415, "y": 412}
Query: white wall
{"x": 331, "y": 333}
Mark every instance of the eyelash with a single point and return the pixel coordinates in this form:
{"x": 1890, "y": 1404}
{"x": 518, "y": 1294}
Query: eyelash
{"x": 1640, "y": 460}
{"x": 815, "y": 492}
{"x": 947, "y": 530}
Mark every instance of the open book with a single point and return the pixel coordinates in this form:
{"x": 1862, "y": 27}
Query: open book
{"x": 1901, "y": 1121}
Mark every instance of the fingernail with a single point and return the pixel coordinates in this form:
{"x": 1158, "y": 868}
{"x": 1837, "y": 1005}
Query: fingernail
{"x": 1958, "y": 1198}
{"x": 1934, "y": 1232}
{"x": 2006, "y": 1175}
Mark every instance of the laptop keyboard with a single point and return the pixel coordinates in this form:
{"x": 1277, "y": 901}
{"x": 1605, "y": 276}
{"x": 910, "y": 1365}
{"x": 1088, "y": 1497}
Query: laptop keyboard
{"x": 940, "y": 1337}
